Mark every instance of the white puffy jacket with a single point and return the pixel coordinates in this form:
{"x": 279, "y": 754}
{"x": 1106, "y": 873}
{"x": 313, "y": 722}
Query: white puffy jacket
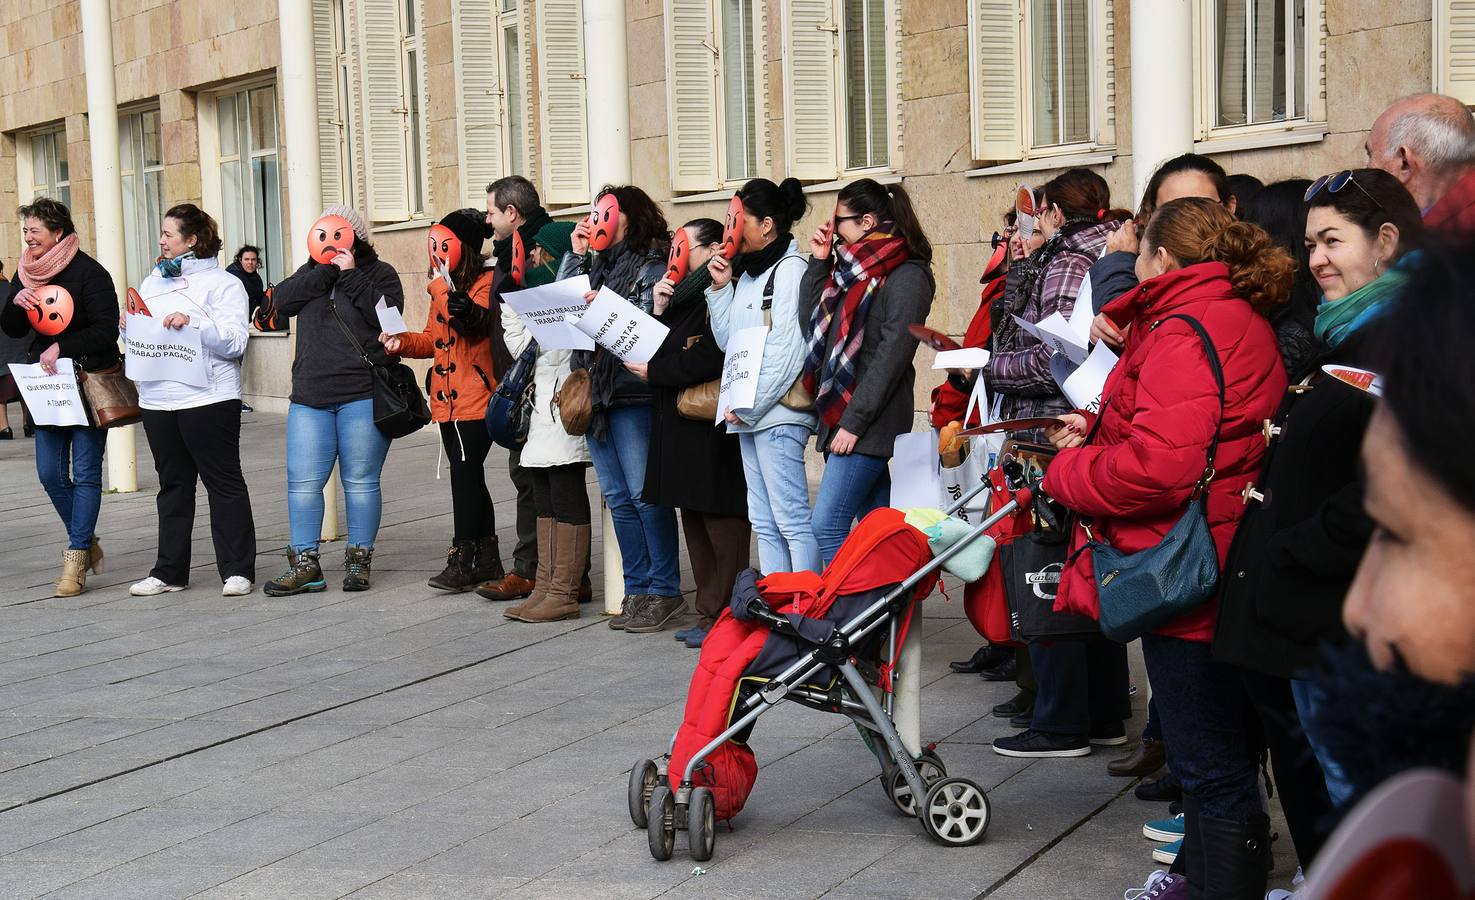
{"x": 216, "y": 304}
{"x": 548, "y": 444}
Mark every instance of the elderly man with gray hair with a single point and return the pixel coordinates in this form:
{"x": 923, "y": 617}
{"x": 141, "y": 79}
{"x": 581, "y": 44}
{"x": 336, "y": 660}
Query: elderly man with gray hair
{"x": 1427, "y": 141}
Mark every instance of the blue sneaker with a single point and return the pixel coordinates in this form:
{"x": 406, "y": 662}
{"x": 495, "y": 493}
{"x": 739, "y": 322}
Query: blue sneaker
{"x": 1167, "y": 853}
{"x": 1164, "y": 830}
{"x": 696, "y": 637}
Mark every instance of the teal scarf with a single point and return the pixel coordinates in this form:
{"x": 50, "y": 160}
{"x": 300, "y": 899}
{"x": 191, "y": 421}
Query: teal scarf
{"x": 1336, "y": 320}
{"x": 171, "y": 268}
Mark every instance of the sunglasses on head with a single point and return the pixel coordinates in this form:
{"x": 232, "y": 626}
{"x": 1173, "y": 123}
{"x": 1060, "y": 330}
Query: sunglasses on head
{"x": 1334, "y": 183}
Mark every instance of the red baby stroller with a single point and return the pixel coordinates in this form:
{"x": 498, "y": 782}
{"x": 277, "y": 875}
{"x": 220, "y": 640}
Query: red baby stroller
{"x": 817, "y": 640}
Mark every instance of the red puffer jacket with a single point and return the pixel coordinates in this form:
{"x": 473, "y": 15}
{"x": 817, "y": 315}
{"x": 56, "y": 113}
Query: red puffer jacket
{"x": 1160, "y": 407}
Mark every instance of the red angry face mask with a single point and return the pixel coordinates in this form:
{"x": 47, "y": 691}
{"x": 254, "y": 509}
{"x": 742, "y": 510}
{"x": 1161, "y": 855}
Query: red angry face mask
{"x": 54, "y": 313}
{"x": 329, "y": 236}
{"x": 679, "y": 261}
{"x": 445, "y": 248}
{"x": 136, "y": 306}
{"x": 519, "y": 263}
{"x": 732, "y": 228}
{"x": 604, "y": 221}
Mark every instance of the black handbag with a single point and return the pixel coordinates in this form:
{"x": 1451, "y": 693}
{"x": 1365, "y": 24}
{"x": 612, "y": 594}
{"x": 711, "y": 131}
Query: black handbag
{"x": 1032, "y": 566}
{"x": 399, "y": 406}
{"x": 510, "y": 411}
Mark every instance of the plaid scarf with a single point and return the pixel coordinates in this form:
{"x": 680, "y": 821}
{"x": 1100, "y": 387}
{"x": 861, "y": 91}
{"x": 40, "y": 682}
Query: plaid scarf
{"x": 860, "y": 269}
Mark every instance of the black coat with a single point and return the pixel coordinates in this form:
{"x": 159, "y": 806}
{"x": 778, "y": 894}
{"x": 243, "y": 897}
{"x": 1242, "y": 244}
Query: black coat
{"x": 255, "y": 289}
{"x": 91, "y": 338}
{"x": 1295, "y": 553}
{"x": 692, "y": 465}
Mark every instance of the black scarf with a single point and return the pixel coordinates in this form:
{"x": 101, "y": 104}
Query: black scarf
{"x": 616, "y": 268}
{"x": 757, "y": 262}
{"x": 502, "y": 249}
{"x": 691, "y": 289}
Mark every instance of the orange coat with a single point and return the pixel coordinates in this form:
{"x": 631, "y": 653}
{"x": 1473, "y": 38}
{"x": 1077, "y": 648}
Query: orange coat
{"x": 461, "y": 381}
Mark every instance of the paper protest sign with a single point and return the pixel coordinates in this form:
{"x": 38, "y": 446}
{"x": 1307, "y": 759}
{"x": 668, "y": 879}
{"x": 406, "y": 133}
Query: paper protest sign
{"x": 156, "y": 353}
{"x": 51, "y": 399}
{"x": 621, "y": 327}
{"x": 1072, "y": 336}
{"x": 391, "y": 321}
{"x": 1083, "y": 386}
{"x": 739, "y": 387}
{"x": 547, "y": 311}
{"x": 966, "y": 358}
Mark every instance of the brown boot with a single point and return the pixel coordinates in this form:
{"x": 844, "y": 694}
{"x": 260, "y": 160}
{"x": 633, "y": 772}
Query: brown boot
{"x": 511, "y": 586}
{"x": 547, "y": 547}
{"x": 1149, "y": 756}
{"x": 562, "y": 598}
{"x": 73, "y": 580}
{"x": 94, "y": 557}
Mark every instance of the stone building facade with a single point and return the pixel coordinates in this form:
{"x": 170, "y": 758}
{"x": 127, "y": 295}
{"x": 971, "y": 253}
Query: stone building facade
{"x": 421, "y": 102}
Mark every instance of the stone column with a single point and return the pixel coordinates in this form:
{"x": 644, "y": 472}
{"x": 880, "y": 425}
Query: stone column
{"x": 1162, "y": 85}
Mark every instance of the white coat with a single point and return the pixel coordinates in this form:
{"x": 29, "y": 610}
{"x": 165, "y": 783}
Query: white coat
{"x": 548, "y": 444}
{"x": 216, "y": 304}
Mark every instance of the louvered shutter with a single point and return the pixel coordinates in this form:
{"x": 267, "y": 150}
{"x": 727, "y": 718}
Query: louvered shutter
{"x": 563, "y": 125}
{"x": 480, "y": 99}
{"x": 330, "y": 117}
{"x": 810, "y": 114}
{"x": 386, "y": 168}
{"x": 994, "y": 65}
{"x": 1103, "y": 46}
{"x": 691, "y": 94}
{"x": 1315, "y": 105}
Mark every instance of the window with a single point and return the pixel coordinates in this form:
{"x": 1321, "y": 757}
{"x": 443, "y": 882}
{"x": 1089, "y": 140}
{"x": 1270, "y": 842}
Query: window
{"x": 389, "y": 62}
{"x": 515, "y": 73}
{"x": 715, "y": 86}
{"x": 413, "y": 109}
{"x": 490, "y": 73}
{"x": 49, "y": 174}
{"x": 1260, "y": 64}
{"x": 840, "y": 86}
{"x": 250, "y": 179}
{"x": 741, "y": 86}
{"x": 1042, "y": 78}
{"x": 141, "y": 167}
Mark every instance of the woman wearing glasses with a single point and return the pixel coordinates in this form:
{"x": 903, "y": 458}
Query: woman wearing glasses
{"x": 1305, "y": 530}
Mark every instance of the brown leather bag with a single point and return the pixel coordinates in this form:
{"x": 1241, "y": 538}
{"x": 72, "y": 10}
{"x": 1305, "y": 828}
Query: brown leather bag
{"x": 575, "y": 401}
{"x": 111, "y": 399}
{"x": 699, "y": 401}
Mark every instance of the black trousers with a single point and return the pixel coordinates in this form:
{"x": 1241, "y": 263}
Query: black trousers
{"x": 466, "y": 445}
{"x": 559, "y": 493}
{"x": 202, "y": 443}
{"x": 525, "y": 553}
{"x": 1298, "y": 776}
{"x": 1081, "y": 683}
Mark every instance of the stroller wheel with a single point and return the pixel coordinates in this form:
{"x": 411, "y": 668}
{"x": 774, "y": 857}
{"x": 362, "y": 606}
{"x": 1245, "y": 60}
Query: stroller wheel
{"x": 660, "y": 828}
{"x": 955, "y": 812}
{"x": 643, "y": 778}
{"x": 701, "y": 824}
{"x": 930, "y": 767}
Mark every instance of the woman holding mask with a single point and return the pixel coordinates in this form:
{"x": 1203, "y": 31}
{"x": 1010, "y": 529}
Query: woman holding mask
{"x": 859, "y": 301}
{"x": 68, "y": 459}
{"x": 194, "y": 431}
{"x": 712, "y": 496}
{"x": 761, "y": 287}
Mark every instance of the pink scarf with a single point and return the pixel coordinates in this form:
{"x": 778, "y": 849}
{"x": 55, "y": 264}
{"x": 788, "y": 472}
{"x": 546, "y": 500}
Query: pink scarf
{"x": 38, "y": 272}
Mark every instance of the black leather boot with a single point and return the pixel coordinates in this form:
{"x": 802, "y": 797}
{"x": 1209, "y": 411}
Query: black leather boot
{"x": 1234, "y": 857}
{"x": 460, "y": 573}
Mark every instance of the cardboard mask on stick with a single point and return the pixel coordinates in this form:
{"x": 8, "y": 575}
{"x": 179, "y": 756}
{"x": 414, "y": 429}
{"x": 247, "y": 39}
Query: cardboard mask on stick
{"x": 518, "y": 265}
{"x": 732, "y": 228}
{"x": 136, "y": 305}
{"x": 54, "y": 312}
{"x": 679, "y": 261}
{"x": 329, "y": 236}
{"x": 604, "y": 221}
{"x": 445, "y": 248}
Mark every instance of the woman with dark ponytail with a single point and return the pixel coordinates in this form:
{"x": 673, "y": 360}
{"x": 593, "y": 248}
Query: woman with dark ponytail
{"x": 761, "y": 287}
{"x": 858, "y": 299}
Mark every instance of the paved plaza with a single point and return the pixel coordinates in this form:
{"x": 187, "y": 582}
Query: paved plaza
{"x": 405, "y": 743}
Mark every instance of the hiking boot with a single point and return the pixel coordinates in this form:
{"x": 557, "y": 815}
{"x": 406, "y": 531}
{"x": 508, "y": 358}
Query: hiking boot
{"x": 629, "y": 608}
{"x": 73, "y": 580}
{"x": 303, "y": 576}
{"x": 486, "y": 563}
{"x": 561, "y": 599}
{"x": 1034, "y": 744}
{"x": 1149, "y": 756}
{"x": 356, "y": 564}
{"x": 656, "y": 615}
{"x": 459, "y": 574}
{"x": 509, "y": 587}
{"x": 547, "y": 550}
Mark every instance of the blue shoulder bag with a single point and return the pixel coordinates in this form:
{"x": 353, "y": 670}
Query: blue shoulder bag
{"x": 510, "y": 411}
{"x": 1141, "y": 592}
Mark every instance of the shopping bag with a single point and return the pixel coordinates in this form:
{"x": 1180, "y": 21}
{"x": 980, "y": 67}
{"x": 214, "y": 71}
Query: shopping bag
{"x": 983, "y": 454}
{"x": 915, "y": 482}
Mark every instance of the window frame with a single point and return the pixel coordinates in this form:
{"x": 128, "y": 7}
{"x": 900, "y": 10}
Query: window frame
{"x": 757, "y": 83}
{"x": 504, "y": 20}
{"x": 413, "y": 71}
{"x": 1312, "y": 121}
{"x": 26, "y": 182}
{"x": 278, "y": 259}
{"x": 132, "y": 165}
{"x": 889, "y": 34}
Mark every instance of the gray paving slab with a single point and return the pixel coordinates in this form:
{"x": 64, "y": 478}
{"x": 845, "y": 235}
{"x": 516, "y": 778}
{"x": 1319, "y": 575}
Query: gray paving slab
{"x": 402, "y": 743}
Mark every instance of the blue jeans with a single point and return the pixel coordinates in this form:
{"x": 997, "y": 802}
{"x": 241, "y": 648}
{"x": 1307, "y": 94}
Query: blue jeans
{"x": 1309, "y": 697}
{"x": 646, "y": 532}
{"x": 69, "y": 465}
{"x": 1202, "y": 708}
{"x": 344, "y": 432}
{"x": 778, "y": 498}
{"x": 852, "y": 486}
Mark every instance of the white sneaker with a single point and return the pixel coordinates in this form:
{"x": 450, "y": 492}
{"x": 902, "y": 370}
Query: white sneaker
{"x": 152, "y": 586}
{"x": 236, "y": 586}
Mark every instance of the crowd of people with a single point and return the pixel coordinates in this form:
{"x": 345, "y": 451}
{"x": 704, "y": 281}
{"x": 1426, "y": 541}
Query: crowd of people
{"x": 1333, "y": 515}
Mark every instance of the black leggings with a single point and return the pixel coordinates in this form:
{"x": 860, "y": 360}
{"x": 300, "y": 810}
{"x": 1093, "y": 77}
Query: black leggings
{"x": 559, "y": 493}
{"x": 466, "y": 445}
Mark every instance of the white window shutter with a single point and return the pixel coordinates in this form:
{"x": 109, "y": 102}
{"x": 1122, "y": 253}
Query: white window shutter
{"x": 1316, "y": 57}
{"x": 479, "y": 100}
{"x": 330, "y": 117}
{"x": 691, "y": 94}
{"x": 563, "y": 126}
{"x": 994, "y": 64}
{"x": 386, "y": 168}
{"x": 811, "y": 114}
{"x": 1103, "y": 64}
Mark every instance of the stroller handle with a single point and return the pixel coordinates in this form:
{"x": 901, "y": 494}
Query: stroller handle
{"x": 963, "y": 500}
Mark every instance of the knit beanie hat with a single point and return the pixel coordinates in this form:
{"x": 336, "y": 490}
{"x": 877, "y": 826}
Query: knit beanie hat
{"x": 354, "y": 217}
{"x": 470, "y": 230}
{"x": 556, "y": 238}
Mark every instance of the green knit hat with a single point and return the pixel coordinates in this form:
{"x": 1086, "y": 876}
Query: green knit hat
{"x": 557, "y": 239}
